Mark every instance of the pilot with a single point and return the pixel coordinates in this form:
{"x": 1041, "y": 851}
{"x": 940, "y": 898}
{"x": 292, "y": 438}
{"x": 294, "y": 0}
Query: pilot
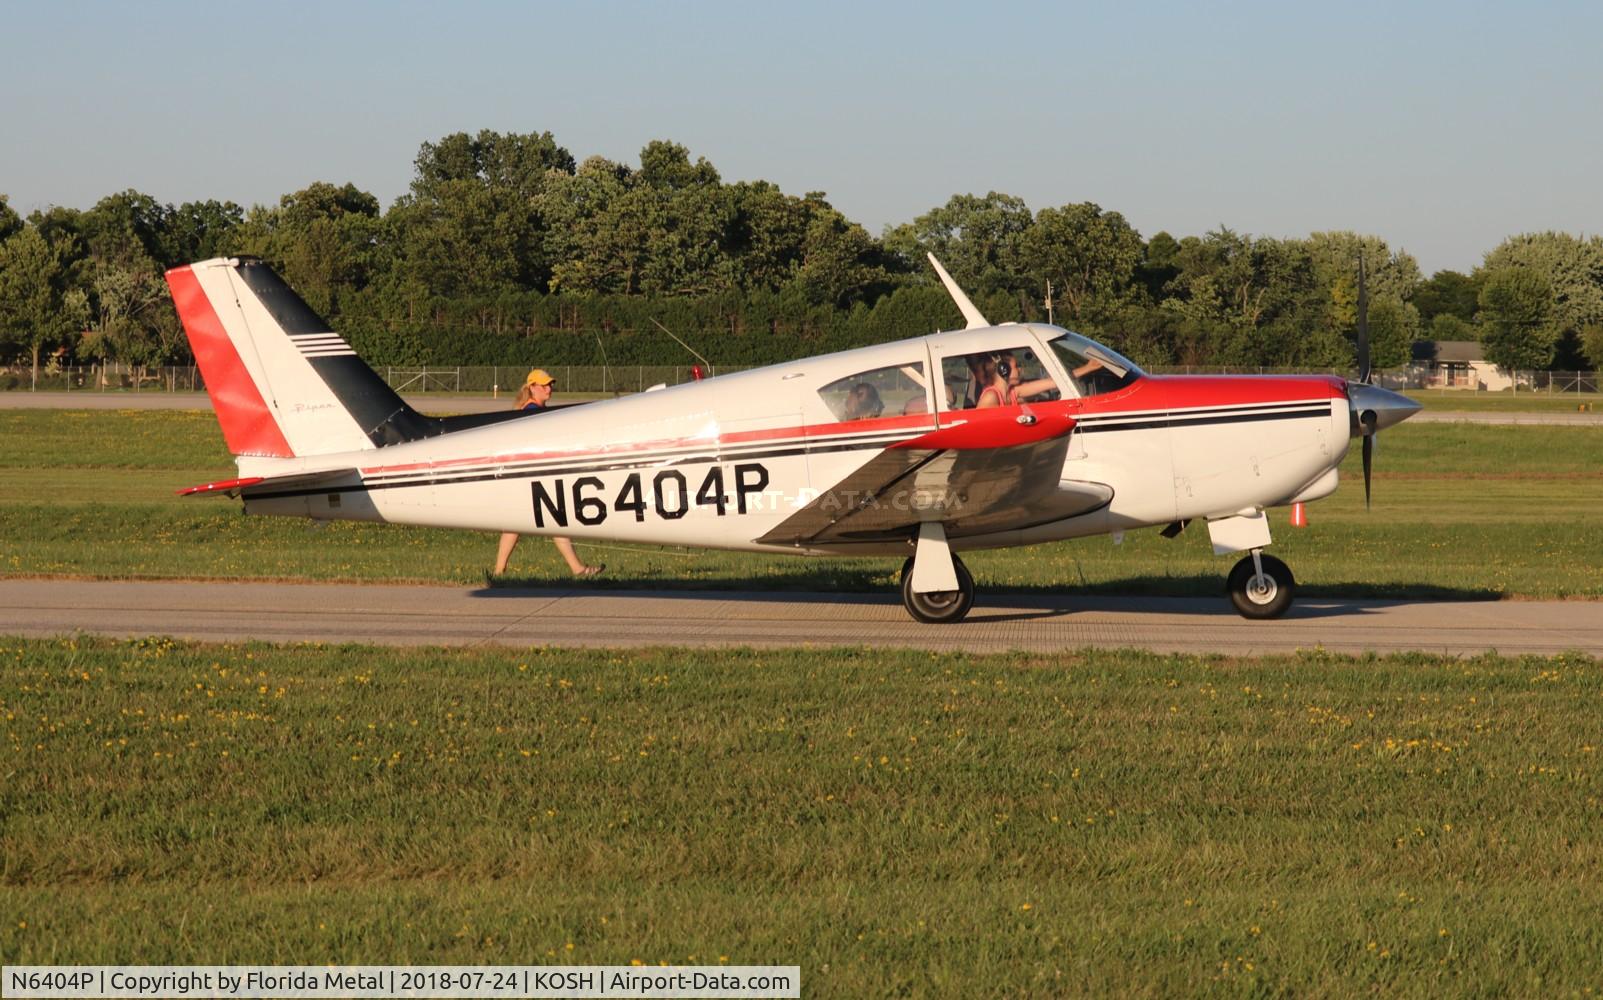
{"x": 535, "y": 397}
{"x": 981, "y": 373}
{"x": 1008, "y": 388}
{"x": 863, "y": 402}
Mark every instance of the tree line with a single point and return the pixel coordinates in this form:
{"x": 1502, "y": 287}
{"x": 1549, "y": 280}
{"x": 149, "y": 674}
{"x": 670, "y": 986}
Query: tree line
{"x": 507, "y": 250}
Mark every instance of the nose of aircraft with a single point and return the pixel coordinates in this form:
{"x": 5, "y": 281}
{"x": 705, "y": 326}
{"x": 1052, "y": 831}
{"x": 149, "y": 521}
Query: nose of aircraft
{"x": 1375, "y": 409}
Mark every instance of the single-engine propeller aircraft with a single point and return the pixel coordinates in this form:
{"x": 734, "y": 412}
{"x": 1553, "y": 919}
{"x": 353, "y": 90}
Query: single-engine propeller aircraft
{"x": 990, "y": 436}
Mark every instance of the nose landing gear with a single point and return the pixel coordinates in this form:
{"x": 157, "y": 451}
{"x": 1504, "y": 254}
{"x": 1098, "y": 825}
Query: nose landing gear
{"x": 1261, "y": 586}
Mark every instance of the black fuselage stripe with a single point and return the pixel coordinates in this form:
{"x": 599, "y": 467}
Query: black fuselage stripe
{"x": 712, "y": 456}
{"x": 709, "y": 452}
{"x": 1100, "y": 427}
{"x": 657, "y": 463}
{"x": 845, "y": 442}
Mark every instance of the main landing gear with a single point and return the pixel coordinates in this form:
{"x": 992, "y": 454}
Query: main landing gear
{"x": 1261, "y": 586}
{"x": 941, "y": 607}
{"x": 937, "y": 588}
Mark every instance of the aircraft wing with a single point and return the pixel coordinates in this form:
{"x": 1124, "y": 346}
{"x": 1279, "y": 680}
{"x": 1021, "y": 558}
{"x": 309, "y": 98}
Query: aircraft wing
{"x": 982, "y": 475}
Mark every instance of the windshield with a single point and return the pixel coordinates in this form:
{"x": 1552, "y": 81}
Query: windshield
{"x": 1094, "y": 369}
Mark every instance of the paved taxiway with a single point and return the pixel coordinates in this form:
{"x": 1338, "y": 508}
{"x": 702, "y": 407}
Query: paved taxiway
{"x": 414, "y": 615}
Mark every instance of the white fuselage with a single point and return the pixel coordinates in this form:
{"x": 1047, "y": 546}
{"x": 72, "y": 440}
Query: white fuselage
{"x": 723, "y": 462}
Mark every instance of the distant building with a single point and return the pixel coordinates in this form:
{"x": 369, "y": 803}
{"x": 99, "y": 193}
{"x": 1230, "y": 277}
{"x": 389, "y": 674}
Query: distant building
{"x": 1457, "y": 364}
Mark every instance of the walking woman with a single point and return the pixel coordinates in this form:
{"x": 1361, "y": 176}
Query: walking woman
{"x": 535, "y": 397}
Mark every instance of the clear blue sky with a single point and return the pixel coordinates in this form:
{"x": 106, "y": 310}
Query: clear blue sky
{"x": 1442, "y": 127}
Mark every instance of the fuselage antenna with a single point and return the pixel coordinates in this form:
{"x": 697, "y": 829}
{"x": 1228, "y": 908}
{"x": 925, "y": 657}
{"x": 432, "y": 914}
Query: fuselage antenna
{"x": 686, "y": 346}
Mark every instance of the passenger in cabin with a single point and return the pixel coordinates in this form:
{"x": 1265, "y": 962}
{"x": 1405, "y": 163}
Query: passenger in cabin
{"x": 919, "y": 404}
{"x": 535, "y": 397}
{"x": 863, "y": 402}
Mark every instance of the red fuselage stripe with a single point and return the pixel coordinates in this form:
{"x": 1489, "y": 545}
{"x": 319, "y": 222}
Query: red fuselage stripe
{"x": 1149, "y": 395}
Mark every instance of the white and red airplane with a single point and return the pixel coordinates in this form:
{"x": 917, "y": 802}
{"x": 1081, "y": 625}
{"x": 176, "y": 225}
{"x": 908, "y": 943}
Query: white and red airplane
{"x": 979, "y": 438}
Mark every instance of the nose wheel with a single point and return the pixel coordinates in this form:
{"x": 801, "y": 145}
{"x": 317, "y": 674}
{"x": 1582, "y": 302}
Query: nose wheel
{"x": 941, "y": 607}
{"x": 1261, "y": 586}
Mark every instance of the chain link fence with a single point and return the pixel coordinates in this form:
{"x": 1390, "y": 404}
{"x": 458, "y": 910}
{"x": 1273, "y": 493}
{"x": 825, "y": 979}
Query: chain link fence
{"x": 604, "y": 380}
{"x": 112, "y": 377}
{"x": 470, "y": 380}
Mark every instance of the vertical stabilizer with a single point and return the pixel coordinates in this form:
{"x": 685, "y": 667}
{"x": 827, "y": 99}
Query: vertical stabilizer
{"x": 283, "y": 384}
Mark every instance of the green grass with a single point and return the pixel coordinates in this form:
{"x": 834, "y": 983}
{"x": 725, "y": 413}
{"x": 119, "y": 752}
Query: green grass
{"x": 1524, "y": 401}
{"x": 893, "y": 822}
{"x": 1460, "y": 510}
{"x": 113, "y": 439}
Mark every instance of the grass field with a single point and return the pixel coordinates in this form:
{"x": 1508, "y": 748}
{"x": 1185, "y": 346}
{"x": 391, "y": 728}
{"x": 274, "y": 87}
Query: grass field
{"x": 894, "y": 822}
{"x": 1508, "y": 402}
{"x": 1460, "y": 510}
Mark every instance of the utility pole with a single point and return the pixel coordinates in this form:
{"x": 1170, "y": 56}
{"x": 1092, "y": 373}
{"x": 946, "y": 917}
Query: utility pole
{"x": 1049, "y": 302}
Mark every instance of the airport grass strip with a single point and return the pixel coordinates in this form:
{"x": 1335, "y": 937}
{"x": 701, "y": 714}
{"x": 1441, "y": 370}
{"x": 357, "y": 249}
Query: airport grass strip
{"x": 894, "y": 822}
{"x": 1460, "y": 511}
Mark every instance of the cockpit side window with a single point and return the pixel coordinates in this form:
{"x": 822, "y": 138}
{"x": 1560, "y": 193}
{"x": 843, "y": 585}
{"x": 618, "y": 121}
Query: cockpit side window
{"x": 1005, "y": 377}
{"x": 1092, "y": 368}
{"x": 891, "y": 391}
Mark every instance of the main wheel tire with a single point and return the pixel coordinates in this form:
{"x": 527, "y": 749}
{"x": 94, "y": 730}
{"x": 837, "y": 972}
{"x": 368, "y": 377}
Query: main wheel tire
{"x": 941, "y": 607}
{"x": 1266, "y": 596}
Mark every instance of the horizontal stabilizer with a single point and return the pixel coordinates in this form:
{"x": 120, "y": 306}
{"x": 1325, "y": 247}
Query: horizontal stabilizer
{"x": 236, "y": 487}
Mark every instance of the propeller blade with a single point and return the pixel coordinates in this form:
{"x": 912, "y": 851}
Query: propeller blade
{"x": 1369, "y": 458}
{"x": 1369, "y": 420}
{"x": 1374, "y": 409}
{"x": 1363, "y": 324}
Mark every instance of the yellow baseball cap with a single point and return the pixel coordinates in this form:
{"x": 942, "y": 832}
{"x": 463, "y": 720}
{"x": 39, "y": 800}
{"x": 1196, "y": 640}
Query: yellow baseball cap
{"x": 539, "y": 376}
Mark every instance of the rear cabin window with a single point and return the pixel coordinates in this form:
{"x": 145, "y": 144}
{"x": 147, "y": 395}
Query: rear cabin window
{"x": 893, "y": 391}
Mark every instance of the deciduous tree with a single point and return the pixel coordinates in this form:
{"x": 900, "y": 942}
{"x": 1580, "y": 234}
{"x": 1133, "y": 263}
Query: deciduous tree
{"x": 1449, "y": 293}
{"x": 10, "y": 221}
{"x": 1084, "y": 251}
{"x": 1517, "y": 319}
{"x": 1393, "y": 328}
{"x": 1592, "y": 345}
{"x": 979, "y": 240}
{"x": 1572, "y": 269}
{"x": 38, "y": 308}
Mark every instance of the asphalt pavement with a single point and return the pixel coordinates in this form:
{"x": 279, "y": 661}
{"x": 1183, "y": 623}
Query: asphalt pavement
{"x": 463, "y": 616}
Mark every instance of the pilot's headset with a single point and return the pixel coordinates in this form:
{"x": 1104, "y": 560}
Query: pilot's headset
{"x": 1004, "y": 367}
